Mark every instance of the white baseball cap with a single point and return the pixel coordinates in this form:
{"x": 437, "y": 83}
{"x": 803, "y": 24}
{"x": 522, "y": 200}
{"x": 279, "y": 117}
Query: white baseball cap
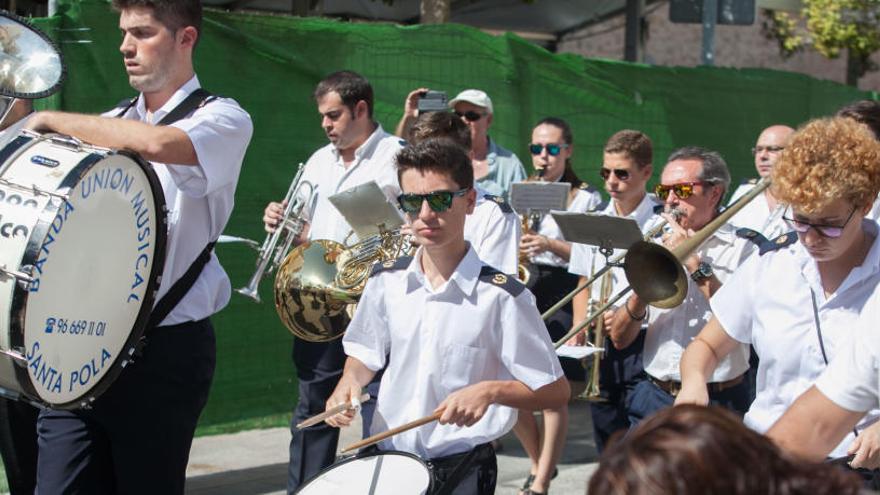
{"x": 474, "y": 96}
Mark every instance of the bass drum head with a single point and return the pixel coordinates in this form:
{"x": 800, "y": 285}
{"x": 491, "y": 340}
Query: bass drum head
{"x": 375, "y": 473}
{"x": 96, "y": 268}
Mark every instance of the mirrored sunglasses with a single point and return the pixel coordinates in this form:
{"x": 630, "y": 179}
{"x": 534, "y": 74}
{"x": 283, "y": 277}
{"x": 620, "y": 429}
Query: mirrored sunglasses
{"x": 552, "y": 149}
{"x": 825, "y": 230}
{"x": 438, "y": 201}
{"x": 619, "y": 173}
{"x": 682, "y": 190}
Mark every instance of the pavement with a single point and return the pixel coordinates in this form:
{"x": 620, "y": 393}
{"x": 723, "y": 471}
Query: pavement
{"x": 255, "y": 462}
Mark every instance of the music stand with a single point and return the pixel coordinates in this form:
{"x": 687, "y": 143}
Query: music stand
{"x": 539, "y": 197}
{"x": 367, "y": 210}
{"x": 606, "y": 232}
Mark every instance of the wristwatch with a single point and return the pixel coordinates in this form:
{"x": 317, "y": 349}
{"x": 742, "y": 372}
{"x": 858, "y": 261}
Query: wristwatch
{"x": 703, "y": 271}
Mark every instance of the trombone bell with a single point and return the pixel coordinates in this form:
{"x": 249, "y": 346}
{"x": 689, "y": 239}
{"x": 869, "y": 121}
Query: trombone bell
{"x": 656, "y": 275}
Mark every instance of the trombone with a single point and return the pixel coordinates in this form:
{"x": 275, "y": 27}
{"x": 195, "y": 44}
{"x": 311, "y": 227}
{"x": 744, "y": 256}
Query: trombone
{"x": 277, "y": 244}
{"x": 655, "y": 272}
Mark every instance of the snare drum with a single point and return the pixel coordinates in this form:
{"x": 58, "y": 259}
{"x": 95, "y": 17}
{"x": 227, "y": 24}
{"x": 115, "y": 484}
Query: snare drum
{"x": 82, "y": 246}
{"x": 372, "y": 473}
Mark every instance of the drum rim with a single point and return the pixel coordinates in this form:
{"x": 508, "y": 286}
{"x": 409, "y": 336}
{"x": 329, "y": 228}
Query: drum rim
{"x": 364, "y": 454}
{"x": 61, "y": 77}
{"x": 126, "y": 355}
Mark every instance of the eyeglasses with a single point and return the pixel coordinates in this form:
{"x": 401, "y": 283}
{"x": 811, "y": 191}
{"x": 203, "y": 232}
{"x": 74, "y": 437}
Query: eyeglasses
{"x": 619, "y": 173}
{"x": 768, "y": 149}
{"x": 552, "y": 149}
{"x": 801, "y": 227}
{"x": 470, "y": 115}
{"x": 438, "y": 201}
{"x": 682, "y": 190}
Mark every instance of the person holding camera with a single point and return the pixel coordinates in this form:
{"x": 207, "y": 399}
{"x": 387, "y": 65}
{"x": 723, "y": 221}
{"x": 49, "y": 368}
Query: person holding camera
{"x": 495, "y": 168}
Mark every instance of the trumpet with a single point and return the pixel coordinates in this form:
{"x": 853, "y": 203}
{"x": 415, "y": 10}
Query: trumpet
{"x": 655, "y": 273}
{"x": 278, "y": 243}
{"x": 593, "y": 392}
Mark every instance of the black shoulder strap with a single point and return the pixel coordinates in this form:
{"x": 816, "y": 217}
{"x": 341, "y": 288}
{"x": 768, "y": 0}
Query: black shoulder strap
{"x": 194, "y": 100}
{"x": 180, "y": 288}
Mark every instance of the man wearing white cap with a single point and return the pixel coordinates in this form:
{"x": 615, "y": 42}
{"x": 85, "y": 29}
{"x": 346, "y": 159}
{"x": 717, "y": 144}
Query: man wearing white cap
{"x": 495, "y": 168}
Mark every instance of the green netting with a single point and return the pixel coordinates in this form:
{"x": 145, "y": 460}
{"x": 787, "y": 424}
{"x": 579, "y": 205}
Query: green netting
{"x": 271, "y": 64}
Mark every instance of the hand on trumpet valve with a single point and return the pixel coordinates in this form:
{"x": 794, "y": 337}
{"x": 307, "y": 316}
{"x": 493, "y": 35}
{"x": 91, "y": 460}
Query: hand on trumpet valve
{"x": 342, "y": 395}
{"x": 466, "y": 406}
{"x": 533, "y": 244}
{"x": 272, "y": 215}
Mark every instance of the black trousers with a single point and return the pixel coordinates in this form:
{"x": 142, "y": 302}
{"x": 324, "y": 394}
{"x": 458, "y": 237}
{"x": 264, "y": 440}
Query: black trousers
{"x": 18, "y": 445}
{"x": 620, "y": 372}
{"x": 137, "y": 436}
{"x": 550, "y": 284}
{"x": 470, "y": 473}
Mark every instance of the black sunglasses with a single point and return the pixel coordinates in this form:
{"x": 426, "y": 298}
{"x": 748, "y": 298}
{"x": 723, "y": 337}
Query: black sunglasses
{"x": 801, "y": 227}
{"x": 438, "y": 201}
{"x": 619, "y": 173}
{"x": 552, "y": 149}
{"x": 470, "y": 115}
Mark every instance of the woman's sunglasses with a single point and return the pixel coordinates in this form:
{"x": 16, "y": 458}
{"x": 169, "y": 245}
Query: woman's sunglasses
{"x": 470, "y": 115}
{"x": 682, "y": 190}
{"x": 438, "y": 201}
{"x": 619, "y": 173}
{"x": 801, "y": 227}
{"x": 552, "y": 149}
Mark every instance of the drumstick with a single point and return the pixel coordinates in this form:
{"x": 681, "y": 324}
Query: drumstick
{"x": 390, "y": 433}
{"x": 333, "y": 411}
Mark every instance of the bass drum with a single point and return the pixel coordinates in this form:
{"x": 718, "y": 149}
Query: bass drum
{"x": 372, "y": 473}
{"x": 82, "y": 246}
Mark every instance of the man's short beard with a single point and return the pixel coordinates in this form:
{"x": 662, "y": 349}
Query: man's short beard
{"x": 676, "y": 212}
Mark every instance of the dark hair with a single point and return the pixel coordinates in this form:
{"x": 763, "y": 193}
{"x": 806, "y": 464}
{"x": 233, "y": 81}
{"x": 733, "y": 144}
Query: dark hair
{"x": 689, "y": 449}
{"x": 714, "y": 170}
{"x": 568, "y": 137}
{"x": 865, "y": 112}
{"x": 173, "y": 14}
{"x": 441, "y": 124}
{"x": 634, "y": 144}
{"x": 351, "y": 88}
{"x": 438, "y": 155}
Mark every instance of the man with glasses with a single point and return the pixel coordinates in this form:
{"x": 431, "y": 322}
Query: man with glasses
{"x": 692, "y": 186}
{"x": 495, "y": 168}
{"x": 457, "y": 336}
{"x": 626, "y": 168}
{"x": 359, "y": 151}
{"x": 763, "y": 214}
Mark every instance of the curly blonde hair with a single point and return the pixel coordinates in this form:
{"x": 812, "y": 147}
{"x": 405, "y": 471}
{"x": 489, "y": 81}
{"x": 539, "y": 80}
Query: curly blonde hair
{"x": 825, "y": 160}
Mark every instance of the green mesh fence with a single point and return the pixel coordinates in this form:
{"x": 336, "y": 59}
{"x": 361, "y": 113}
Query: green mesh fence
{"x": 271, "y": 64}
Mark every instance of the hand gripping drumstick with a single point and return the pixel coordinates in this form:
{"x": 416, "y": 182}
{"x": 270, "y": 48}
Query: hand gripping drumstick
{"x": 394, "y": 431}
{"x": 345, "y": 406}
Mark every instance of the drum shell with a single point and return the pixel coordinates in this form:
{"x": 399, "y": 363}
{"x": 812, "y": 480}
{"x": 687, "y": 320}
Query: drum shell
{"x": 373, "y": 472}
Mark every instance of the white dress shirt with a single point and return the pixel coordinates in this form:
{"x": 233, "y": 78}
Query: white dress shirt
{"x": 584, "y": 201}
{"x": 670, "y": 331}
{"x": 199, "y": 198}
{"x": 768, "y": 304}
{"x": 435, "y": 341}
{"x": 493, "y": 232}
{"x": 757, "y": 214}
{"x": 374, "y": 161}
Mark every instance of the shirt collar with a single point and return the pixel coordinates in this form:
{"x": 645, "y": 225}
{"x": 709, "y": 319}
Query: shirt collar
{"x": 368, "y": 146}
{"x": 464, "y": 277}
{"x": 643, "y": 212}
{"x": 178, "y": 96}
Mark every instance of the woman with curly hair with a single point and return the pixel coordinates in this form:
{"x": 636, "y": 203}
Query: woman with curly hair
{"x": 796, "y": 303}
{"x": 697, "y": 450}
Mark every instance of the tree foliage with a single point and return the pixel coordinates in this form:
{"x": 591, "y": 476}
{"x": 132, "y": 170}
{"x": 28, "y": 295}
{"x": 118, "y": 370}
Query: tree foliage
{"x": 830, "y": 27}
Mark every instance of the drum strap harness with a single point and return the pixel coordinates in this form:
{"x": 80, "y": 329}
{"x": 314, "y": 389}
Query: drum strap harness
{"x": 163, "y": 308}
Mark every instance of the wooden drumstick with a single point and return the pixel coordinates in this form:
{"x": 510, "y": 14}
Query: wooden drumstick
{"x": 332, "y": 412}
{"x": 390, "y": 433}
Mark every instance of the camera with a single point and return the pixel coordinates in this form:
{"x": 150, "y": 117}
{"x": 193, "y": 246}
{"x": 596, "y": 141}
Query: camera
{"x": 432, "y": 101}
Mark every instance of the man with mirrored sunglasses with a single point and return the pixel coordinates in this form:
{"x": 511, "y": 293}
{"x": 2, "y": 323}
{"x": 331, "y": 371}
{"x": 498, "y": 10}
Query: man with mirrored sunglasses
{"x": 626, "y": 168}
{"x": 692, "y": 186}
{"x": 764, "y": 214}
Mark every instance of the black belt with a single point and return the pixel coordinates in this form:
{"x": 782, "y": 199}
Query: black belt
{"x": 673, "y": 387}
{"x": 452, "y": 468}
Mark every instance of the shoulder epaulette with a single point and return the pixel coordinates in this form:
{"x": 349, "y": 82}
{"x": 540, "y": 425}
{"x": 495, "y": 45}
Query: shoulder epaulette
{"x": 658, "y": 209}
{"x": 402, "y": 142}
{"x": 752, "y": 181}
{"x": 388, "y": 265}
{"x": 500, "y": 201}
{"x": 752, "y": 236}
{"x": 504, "y": 281}
{"x": 600, "y": 207}
{"x": 587, "y": 187}
{"x": 779, "y": 242}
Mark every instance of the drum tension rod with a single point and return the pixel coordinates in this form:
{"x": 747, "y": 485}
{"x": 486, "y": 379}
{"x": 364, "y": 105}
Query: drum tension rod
{"x": 24, "y": 277}
{"x": 34, "y": 190}
{"x": 18, "y": 356}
